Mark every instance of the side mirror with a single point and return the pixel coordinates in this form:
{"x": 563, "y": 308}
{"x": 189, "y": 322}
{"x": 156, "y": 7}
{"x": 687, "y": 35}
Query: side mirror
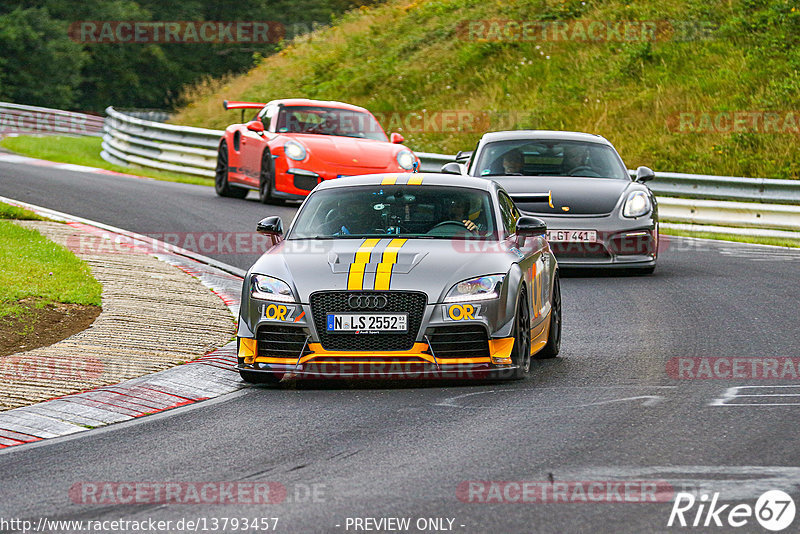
{"x": 644, "y": 174}
{"x": 256, "y": 126}
{"x": 270, "y": 226}
{"x": 531, "y": 226}
{"x": 396, "y": 138}
{"x": 451, "y": 168}
{"x": 463, "y": 155}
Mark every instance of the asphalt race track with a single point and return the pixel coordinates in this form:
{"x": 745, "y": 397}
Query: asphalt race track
{"x": 608, "y": 410}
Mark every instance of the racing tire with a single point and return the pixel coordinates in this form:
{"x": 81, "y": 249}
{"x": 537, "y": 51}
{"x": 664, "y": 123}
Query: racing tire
{"x": 521, "y": 353}
{"x": 266, "y": 182}
{"x": 221, "y": 185}
{"x": 553, "y": 346}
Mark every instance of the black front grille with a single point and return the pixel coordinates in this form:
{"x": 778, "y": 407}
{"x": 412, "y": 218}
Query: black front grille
{"x": 459, "y": 341}
{"x": 579, "y": 250}
{"x": 327, "y": 302}
{"x": 305, "y": 182}
{"x": 282, "y": 341}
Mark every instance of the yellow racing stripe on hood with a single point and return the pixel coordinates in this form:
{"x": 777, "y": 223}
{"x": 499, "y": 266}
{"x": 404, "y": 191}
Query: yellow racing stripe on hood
{"x": 383, "y": 276}
{"x": 355, "y": 275}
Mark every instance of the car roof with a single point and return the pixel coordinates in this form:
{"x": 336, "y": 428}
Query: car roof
{"x": 402, "y": 178}
{"x": 509, "y": 135}
{"x": 309, "y": 102}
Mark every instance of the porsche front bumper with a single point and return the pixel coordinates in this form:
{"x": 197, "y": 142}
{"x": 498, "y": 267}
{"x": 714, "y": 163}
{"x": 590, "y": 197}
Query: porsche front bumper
{"x": 621, "y": 242}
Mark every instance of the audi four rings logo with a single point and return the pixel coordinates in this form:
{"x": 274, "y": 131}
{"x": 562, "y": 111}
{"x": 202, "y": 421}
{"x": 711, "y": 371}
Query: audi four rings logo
{"x": 372, "y": 302}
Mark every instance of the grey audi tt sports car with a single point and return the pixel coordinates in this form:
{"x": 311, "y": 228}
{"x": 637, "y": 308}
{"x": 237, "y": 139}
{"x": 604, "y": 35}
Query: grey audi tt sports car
{"x": 401, "y": 275}
{"x": 577, "y": 183}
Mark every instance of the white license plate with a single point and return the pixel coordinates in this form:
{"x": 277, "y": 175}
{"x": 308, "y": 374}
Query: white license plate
{"x": 572, "y": 236}
{"x": 367, "y": 323}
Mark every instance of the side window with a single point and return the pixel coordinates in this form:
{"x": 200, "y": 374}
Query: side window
{"x": 509, "y": 213}
{"x": 266, "y": 116}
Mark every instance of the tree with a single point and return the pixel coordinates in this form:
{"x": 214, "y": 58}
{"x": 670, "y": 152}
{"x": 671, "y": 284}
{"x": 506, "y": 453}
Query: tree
{"x": 40, "y": 65}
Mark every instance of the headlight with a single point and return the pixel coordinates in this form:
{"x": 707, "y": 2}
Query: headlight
{"x": 481, "y": 288}
{"x": 294, "y": 150}
{"x": 406, "y": 159}
{"x": 636, "y": 205}
{"x": 268, "y": 288}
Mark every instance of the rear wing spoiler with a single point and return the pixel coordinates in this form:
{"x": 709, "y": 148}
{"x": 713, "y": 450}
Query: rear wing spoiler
{"x": 232, "y": 104}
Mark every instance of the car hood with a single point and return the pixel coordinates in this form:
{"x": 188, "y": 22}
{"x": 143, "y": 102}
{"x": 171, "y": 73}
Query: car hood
{"x": 432, "y": 266}
{"x": 582, "y": 196}
{"x": 351, "y": 151}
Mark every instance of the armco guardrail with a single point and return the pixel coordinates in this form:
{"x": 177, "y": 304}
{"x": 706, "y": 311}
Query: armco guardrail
{"x": 17, "y": 119}
{"x": 432, "y": 162}
{"x": 737, "y": 214}
{"x": 700, "y": 186}
{"x": 130, "y": 140}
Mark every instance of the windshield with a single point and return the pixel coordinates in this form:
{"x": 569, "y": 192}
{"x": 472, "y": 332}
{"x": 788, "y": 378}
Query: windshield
{"x": 396, "y": 210}
{"x": 546, "y": 157}
{"x": 329, "y": 121}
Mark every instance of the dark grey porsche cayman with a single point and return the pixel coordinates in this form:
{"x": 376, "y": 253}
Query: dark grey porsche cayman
{"x": 596, "y": 214}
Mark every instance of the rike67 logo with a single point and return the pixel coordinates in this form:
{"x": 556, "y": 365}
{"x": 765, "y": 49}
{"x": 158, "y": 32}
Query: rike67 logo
{"x": 774, "y": 510}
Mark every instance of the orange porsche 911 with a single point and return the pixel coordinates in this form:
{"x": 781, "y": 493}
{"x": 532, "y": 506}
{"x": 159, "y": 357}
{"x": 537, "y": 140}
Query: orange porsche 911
{"x": 292, "y": 145}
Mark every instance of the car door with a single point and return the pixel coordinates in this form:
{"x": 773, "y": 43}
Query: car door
{"x": 253, "y": 144}
{"x": 532, "y": 261}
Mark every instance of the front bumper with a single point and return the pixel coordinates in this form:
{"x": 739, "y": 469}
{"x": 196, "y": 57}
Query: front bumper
{"x": 621, "y": 243}
{"x": 392, "y": 371}
{"x": 469, "y": 340}
{"x": 420, "y": 361}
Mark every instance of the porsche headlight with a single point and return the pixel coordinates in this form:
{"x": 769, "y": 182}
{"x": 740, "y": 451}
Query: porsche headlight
{"x": 481, "y": 288}
{"x": 294, "y": 150}
{"x": 637, "y": 204}
{"x": 268, "y": 288}
{"x": 405, "y": 158}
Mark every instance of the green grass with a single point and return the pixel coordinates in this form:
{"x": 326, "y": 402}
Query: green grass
{"x": 33, "y": 267}
{"x": 13, "y": 212}
{"x": 775, "y": 241}
{"x": 86, "y": 151}
{"x": 409, "y": 56}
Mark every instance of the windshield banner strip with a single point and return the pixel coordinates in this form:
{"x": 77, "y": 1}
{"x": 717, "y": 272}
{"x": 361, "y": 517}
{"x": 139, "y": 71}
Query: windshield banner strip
{"x": 415, "y": 180}
{"x": 391, "y": 180}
